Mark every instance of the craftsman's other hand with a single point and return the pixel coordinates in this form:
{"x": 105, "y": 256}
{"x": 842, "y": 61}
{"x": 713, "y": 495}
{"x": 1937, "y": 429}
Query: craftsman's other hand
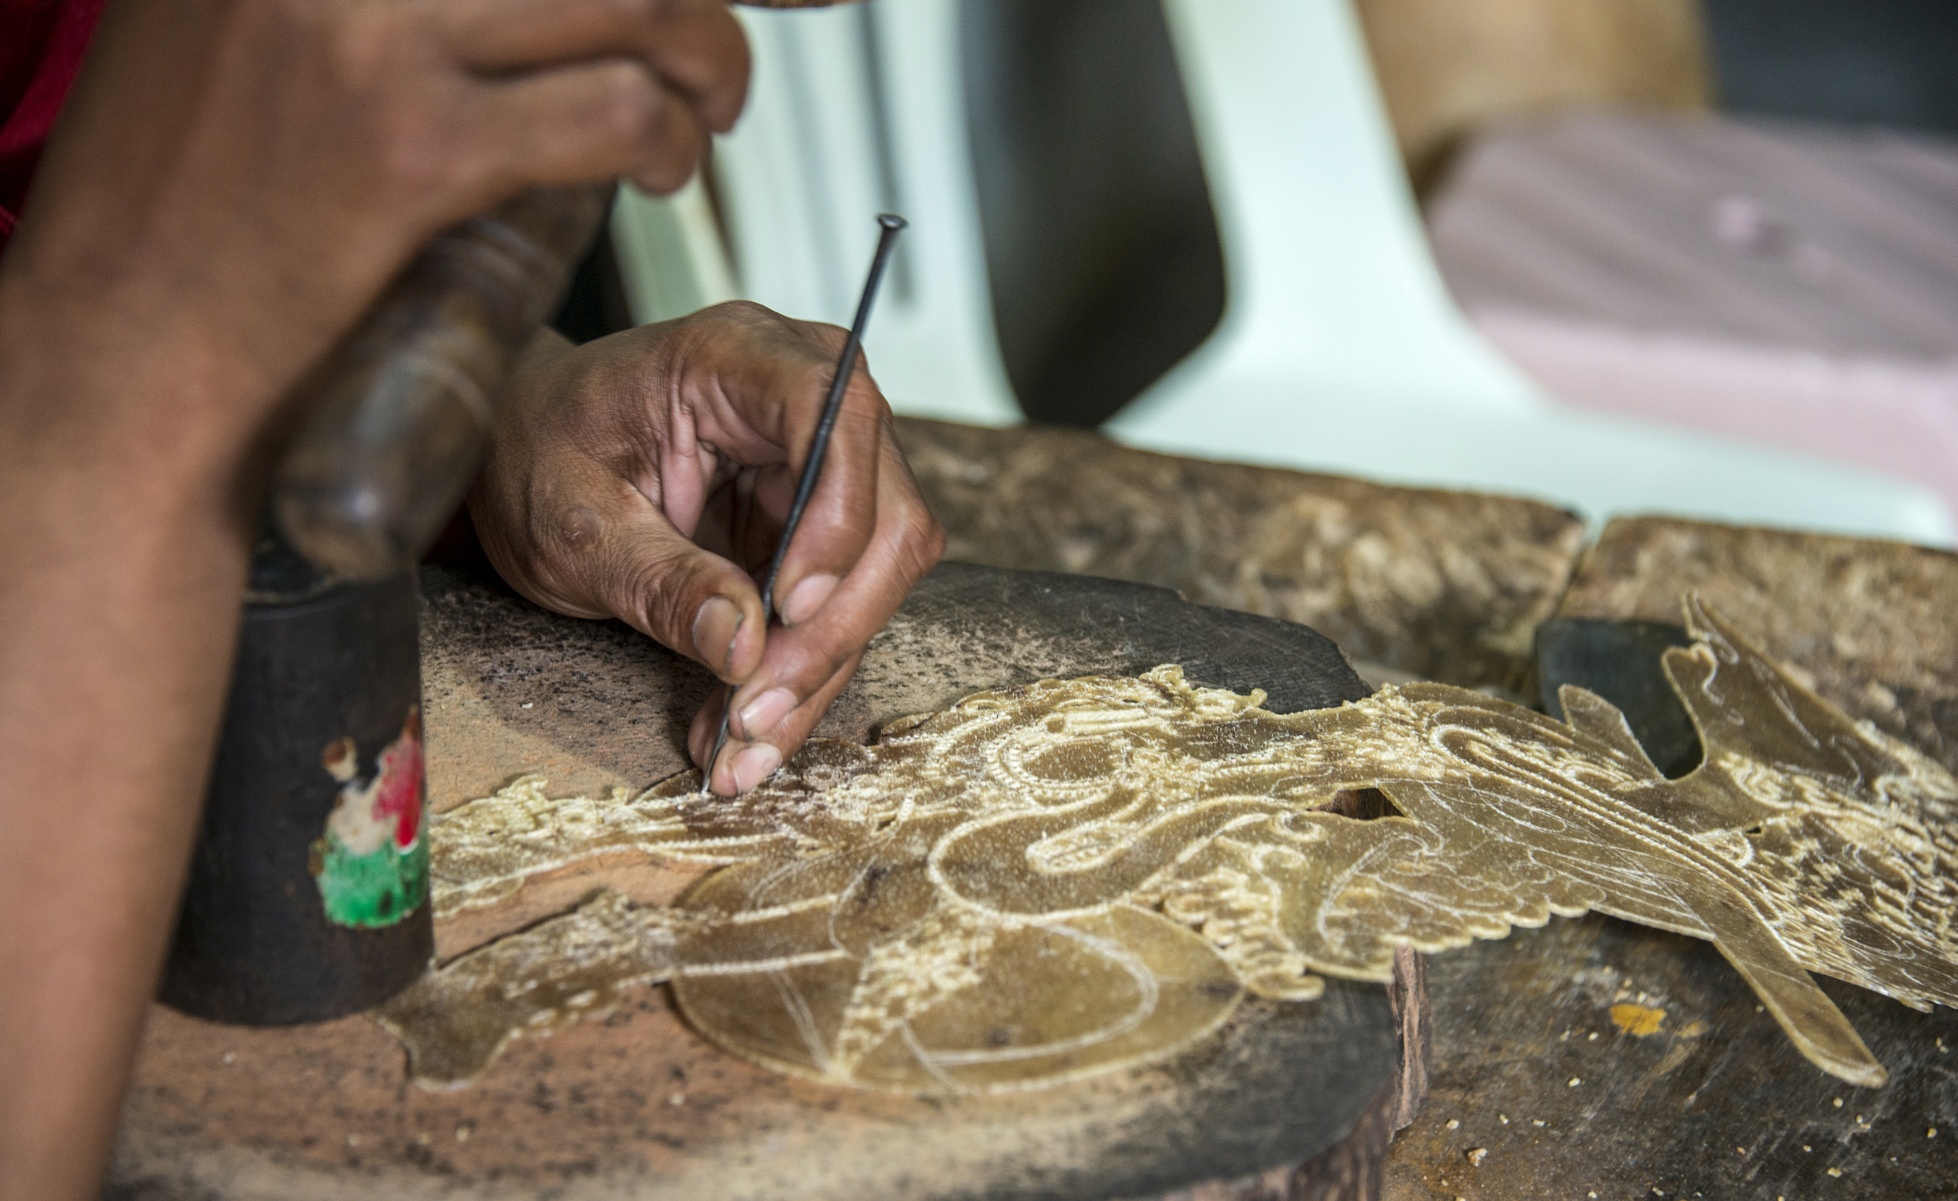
{"x": 234, "y": 181}
{"x": 231, "y": 183}
{"x": 646, "y": 476}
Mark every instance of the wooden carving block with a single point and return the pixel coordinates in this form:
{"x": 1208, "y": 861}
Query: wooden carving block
{"x": 1442, "y": 585}
{"x": 636, "y": 1103}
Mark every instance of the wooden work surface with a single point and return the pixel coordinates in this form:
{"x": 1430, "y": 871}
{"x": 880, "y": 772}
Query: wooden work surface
{"x": 1443, "y": 585}
{"x": 1872, "y": 626}
{"x": 1447, "y": 585}
{"x": 638, "y": 1105}
{"x": 1714, "y": 1102}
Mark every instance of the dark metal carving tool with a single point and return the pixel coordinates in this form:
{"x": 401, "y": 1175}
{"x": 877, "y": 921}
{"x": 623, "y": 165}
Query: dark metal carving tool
{"x": 891, "y": 224}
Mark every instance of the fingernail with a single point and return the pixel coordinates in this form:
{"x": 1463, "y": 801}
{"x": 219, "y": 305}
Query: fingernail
{"x": 807, "y": 597}
{"x": 754, "y": 765}
{"x": 715, "y": 628}
{"x": 715, "y": 776}
{"x": 765, "y": 712}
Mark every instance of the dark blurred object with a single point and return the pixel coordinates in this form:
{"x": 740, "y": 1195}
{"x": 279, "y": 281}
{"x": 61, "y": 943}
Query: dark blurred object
{"x": 595, "y": 304}
{"x": 397, "y": 415}
{"x": 1622, "y": 662}
{"x": 1100, "y": 241}
{"x": 256, "y": 943}
{"x": 1889, "y": 62}
{"x": 307, "y": 891}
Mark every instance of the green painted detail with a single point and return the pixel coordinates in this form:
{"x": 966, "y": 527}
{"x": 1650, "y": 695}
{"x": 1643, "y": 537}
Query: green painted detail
{"x": 373, "y": 890}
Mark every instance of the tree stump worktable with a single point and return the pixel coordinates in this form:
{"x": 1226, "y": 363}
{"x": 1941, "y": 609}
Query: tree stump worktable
{"x": 1288, "y": 1100}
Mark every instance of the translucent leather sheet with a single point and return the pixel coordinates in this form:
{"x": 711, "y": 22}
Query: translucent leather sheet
{"x": 1081, "y": 875}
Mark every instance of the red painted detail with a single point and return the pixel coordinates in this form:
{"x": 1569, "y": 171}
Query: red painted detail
{"x": 398, "y": 792}
{"x": 41, "y": 47}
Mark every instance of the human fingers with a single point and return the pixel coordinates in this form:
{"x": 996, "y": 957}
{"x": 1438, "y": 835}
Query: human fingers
{"x": 695, "y": 47}
{"x": 743, "y": 764}
{"x": 761, "y": 384}
{"x": 837, "y": 526}
{"x": 584, "y": 122}
{"x": 571, "y": 535}
{"x": 786, "y": 695}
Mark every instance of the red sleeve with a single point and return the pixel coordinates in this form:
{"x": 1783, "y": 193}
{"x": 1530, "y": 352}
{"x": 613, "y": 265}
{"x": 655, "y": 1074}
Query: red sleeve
{"x": 41, "y": 48}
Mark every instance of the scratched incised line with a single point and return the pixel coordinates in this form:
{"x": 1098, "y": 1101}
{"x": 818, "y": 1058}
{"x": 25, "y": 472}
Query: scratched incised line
{"x": 1050, "y": 881}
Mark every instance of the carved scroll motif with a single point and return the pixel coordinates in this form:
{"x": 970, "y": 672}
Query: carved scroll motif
{"x": 1074, "y": 876}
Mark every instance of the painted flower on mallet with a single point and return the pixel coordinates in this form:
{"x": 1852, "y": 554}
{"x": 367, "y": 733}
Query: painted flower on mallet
{"x": 371, "y": 864}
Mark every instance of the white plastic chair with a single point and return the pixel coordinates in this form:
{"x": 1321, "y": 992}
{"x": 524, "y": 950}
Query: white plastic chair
{"x": 671, "y": 258}
{"x": 1339, "y": 351}
{"x": 826, "y": 143}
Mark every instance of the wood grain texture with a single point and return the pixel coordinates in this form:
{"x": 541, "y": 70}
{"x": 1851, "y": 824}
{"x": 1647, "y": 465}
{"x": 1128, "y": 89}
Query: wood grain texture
{"x": 926, "y": 913}
{"x": 1682, "y": 1088}
{"x": 1532, "y": 1069}
{"x": 1443, "y": 585}
{"x": 1871, "y": 626}
{"x": 1353, "y": 1169}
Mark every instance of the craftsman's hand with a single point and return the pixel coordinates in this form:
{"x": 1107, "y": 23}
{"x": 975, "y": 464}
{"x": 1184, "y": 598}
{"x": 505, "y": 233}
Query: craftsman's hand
{"x": 646, "y": 476}
{"x": 233, "y": 181}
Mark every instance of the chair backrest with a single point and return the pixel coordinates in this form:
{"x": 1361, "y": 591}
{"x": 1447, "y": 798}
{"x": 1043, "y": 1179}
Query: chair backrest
{"x": 857, "y": 110}
{"x": 1330, "y": 279}
{"x": 1331, "y": 284}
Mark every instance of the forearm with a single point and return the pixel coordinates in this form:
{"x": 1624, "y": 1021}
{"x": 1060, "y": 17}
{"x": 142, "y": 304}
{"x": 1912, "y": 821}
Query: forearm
{"x": 121, "y": 567}
{"x": 229, "y": 187}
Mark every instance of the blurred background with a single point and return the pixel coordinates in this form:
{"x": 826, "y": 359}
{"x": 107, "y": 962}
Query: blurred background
{"x": 1690, "y": 256}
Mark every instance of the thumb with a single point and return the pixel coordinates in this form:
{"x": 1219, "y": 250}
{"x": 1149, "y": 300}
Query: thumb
{"x": 597, "y": 547}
